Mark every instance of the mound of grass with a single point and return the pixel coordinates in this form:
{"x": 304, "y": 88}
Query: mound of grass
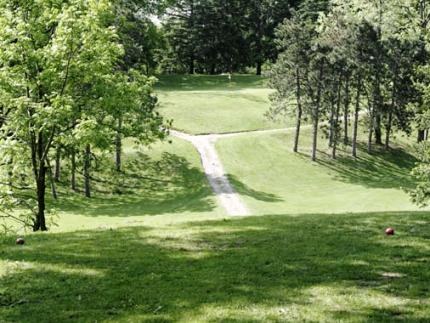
{"x": 212, "y": 104}
{"x": 314, "y": 268}
{"x": 274, "y": 180}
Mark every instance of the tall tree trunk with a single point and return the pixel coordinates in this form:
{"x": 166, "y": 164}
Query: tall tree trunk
{"x": 346, "y": 110}
{"x": 73, "y": 170}
{"x": 356, "y": 116}
{"x": 421, "y": 135}
{"x": 315, "y": 135}
{"x": 388, "y": 130}
{"x": 299, "y": 111}
{"x": 316, "y": 113}
{"x": 259, "y": 43}
{"x": 259, "y": 67}
{"x": 57, "y": 165}
{"x": 370, "y": 133}
{"x": 378, "y": 101}
{"x": 87, "y": 165}
{"x": 118, "y": 145}
{"x": 191, "y": 66}
{"x": 336, "y": 118}
{"x": 52, "y": 181}
{"x": 331, "y": 121}
{"x": 39, "y": 223}
{"x": 39, "y": 170}
{"x": 378, "y": 131}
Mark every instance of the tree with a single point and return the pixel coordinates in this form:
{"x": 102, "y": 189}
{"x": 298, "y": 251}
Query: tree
{"x": 289, "y": 73}
{"x": 60, "y": 86}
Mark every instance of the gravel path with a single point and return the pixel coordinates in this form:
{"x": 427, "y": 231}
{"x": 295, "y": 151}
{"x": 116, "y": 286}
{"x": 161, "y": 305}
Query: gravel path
{"x": 215, "y": 173}
{"x": 214, "y": 170}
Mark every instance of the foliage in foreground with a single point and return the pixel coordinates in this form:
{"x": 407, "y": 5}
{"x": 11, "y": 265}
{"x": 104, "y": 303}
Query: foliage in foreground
{"x": 62, "y": 94}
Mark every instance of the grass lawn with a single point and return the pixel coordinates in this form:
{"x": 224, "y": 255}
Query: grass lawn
{"x": 211, "y": 104}
{"x": 152, "y": 245}
{"x": 274, "y": 180}
{"x": 313, "y": 268}
{"x": 164, "y": 183}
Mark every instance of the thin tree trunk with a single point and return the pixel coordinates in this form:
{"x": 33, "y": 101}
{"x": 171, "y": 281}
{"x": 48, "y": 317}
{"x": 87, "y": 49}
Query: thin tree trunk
{"x": 39, "y": 170}
{"x": 356, "y": 116}
{"x": 299, "y": 111}
{"x": 346, "y": 111}
{"x": 39, "y": 223}
{"x": 421, "y": 135}
{"x": 390, "y": 113}
{"x": 73, "y": 170}
{"x": 331, "y": 121}
{"x": 336, "y": 119}
{"x": 388, "y": 130}
{"x": 52, "y": 181}
{"x": 370, "y": 133}
{"x": 191, "y": 66}
{"x": 259, "y": 68}
{"x": 316, "y": 114}
{"x": 378, "y": 131}
{"x": 57, "y": 165}
{"x": 118, "y": 145}
{"x": 87, "y": 165}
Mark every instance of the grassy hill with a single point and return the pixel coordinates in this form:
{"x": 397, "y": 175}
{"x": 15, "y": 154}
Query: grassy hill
{"x": 274, "y": 180}
{"x": 212, "y": 104}
{"x": 154, "y": 246}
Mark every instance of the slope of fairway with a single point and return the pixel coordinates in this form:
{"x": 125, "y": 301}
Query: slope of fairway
{"x": 272, "y": 179}
{"x": 213, "y": 104}
{"x": 165, "y": 183}
{"x": 312, "y": 268}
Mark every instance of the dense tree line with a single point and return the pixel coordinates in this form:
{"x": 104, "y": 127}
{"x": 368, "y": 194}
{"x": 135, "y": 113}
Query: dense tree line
{"x": 216, "y": 36}
{"x": 360, "y": 60}
{"x": 358, "y": 57}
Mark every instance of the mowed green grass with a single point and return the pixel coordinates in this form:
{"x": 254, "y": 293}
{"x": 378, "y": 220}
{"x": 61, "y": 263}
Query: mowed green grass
{"x": 161, "y": 184}
{"x": 153, "y": 245}
{"x": 273, "y": 180}
{"x": 307, "y": 268}
{"x": 212, "y": 104}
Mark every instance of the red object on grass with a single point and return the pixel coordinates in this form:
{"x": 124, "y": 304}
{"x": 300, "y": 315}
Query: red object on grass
{"x": 20, "y": 241}
{"x": 389, "y": 231}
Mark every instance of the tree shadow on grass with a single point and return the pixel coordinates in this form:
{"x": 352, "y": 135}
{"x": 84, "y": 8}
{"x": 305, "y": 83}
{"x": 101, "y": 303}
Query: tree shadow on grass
{"x": 244, "y": 189}
{"x": 382, "y": 169}
{"x": 146, "y": 187}
{"x": 152, "y": 187}
{"x": 240, "y": 270}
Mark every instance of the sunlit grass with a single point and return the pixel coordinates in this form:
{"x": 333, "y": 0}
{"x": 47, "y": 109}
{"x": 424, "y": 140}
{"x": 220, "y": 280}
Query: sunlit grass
{"x": 212, "y": 104}
{"x": 272, "y": 179}
{"x": 319, "y": 268}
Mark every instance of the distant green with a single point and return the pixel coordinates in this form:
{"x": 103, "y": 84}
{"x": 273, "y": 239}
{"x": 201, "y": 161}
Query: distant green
{"x": 212, "y": 104}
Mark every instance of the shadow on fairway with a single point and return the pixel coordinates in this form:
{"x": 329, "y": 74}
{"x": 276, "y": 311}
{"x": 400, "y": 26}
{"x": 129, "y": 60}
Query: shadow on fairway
{"x": 244, "y": 189}
{"x": 383, "y": 169}
{"x": 146, "y": 187}
{"x": 151, "y": 187}
{"x": 278, "y": 268}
